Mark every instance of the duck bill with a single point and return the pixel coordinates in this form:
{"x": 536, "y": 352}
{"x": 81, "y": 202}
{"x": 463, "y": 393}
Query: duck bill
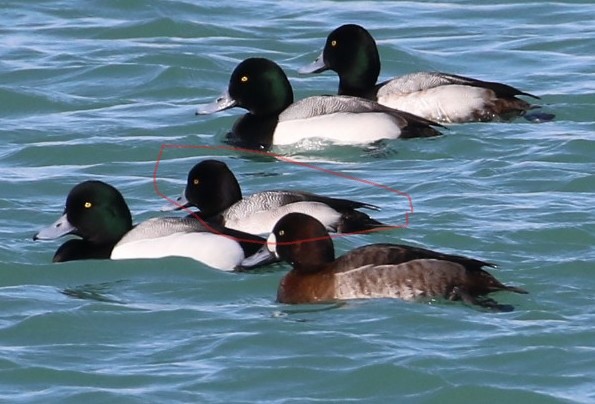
{"x": 260, "y": 258}
{"x": 59, "y": 228}
{"x": 223, "y": 102}
{"x": 318, "y": 66}
{"x": 180, "y": 203}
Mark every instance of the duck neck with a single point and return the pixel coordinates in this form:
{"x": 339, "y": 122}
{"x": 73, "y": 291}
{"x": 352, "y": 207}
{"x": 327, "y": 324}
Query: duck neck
{"x": 77, "y": 249}
{"x": 312, "y": 257}
{"x": 361, "y": 74}
{"x": 305, "y": 269}
{"x": 254, "y": 132}
{"x": 357, "y": 84}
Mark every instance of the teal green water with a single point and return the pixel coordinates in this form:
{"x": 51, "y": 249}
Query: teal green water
{"x": 92, "y": 90}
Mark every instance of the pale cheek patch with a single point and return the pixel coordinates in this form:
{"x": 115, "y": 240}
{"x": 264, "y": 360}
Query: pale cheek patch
{"x": 272, "y": 243}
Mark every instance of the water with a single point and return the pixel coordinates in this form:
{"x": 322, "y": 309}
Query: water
{"x": 93, "y": 90}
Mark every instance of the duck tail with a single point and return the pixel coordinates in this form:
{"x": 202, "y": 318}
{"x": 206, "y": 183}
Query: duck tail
{"x": 481, "y": 301}
{"x": 515, "y": 289}
{"x": 356, "y": 221}
{"x": 504, "y": 109}
{"x": 411, "y": 132}
{"x": 486, "y": 281}
{"x": 419, "y": 127}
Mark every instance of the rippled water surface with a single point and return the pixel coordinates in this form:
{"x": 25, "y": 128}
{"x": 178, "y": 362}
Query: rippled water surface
{"x": 103, "y": 89}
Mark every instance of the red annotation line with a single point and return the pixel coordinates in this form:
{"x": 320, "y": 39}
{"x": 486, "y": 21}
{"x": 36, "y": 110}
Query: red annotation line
{"x": 286, "y": 160}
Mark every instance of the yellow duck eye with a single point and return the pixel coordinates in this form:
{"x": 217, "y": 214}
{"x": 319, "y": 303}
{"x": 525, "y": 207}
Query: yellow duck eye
{"x": 88, "y": 205}
{"x": 333, "y": 43}
{"x": 244, "y": 79}
{"x": 196, "y": 181}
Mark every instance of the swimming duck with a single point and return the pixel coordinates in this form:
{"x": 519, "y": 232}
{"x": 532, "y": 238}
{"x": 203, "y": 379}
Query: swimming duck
{"x": 373, "y": 271}
{"x": 261, "y": 87}
{"x": 98, "y": 213}
{"x": 351, "y": 52}
{"x": 213, "y": 188}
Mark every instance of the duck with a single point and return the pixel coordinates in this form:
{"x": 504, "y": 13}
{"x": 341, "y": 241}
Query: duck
{"x": 97, "y": 212}
{"x": 261, "y": 87}
{"x": 373, "y": 271}
{"x": 351, "y": 52}
{"x": 212, "y": 187}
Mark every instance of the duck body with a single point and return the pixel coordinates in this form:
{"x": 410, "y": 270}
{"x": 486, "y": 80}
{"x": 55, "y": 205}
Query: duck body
{"x": 449, "y": 98}
{"x": 213, "y": 188}
{"x": 348, "y": 120}
{"x": 351, "y": 52}
{"x": 412, "y": 280}
{"x": 264, "y": 216}
{"x": 374, "y": 271}
{"x": 98, "y": 213}
{"x": 261, "y": 87}
{"x": 188, "y": 237}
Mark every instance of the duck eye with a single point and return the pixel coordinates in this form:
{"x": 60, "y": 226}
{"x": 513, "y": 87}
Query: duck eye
{"x": 244, "y": 79}
{"x": 333, "y": 43}
{"x": 281, "y": 232}
{"x": 196, "y": 181}
{"x": 88, "y": 205}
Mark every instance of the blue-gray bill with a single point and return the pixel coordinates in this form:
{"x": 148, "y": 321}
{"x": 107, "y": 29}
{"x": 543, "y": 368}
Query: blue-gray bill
{"x": 317, "y": 66}
{"x": 181, "y": 203}
{"x": 59, "y": 228}
{"x": 223, "y": 102}
{"x": 260, "y": 258}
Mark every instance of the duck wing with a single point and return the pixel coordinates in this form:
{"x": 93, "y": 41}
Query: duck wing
{"x": 270, "y": 200}
{"x": 161, "y": 227}
{"x": 336, "y": 203}
{"x": 165, "y": 226}
{"x": 330, "y": 104}
{"x": 394, "y": 254}
{"x": 421, "y": 81}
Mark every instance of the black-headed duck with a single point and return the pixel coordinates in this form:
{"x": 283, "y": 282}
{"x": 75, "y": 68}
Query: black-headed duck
{"x": 213, "y": 188}
{"x": 351, "y": 52}
{"x": 97, "y": 213}
{"x": 261, "y": 87}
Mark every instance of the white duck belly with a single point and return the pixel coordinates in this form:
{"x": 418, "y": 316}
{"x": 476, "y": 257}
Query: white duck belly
{"x": 340, "y": 128}
{"x": 216, "y": 251}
